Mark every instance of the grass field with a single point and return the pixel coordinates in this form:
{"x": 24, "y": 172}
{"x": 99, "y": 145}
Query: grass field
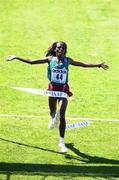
{"x": 28, "y": 150}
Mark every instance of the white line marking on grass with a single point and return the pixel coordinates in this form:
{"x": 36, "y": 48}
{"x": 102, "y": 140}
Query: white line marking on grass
{"x": 68, "y": 118}
{"x": 24, "y": 116}
{"x": 93, "y": 119}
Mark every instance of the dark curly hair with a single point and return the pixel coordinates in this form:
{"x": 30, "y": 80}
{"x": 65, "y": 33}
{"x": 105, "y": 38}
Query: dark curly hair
{"x": 51, "y": 49}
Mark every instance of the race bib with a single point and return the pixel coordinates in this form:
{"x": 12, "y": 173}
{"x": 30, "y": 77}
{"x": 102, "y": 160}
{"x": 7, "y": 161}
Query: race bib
{"x": 59, "y": 75}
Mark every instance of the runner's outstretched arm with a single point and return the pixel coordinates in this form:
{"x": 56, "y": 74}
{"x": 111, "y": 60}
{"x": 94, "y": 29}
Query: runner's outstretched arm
{"x": 86, "y": 65}
{"x": 39, "y": 61}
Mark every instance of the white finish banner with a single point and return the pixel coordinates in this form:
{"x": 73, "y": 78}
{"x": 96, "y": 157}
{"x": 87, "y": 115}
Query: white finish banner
{"x": 43, "y": 92}
{"x": 77, "y": 124}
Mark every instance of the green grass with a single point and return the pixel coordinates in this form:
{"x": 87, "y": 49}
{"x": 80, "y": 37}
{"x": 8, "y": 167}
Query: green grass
{"x": 28, "y": 150}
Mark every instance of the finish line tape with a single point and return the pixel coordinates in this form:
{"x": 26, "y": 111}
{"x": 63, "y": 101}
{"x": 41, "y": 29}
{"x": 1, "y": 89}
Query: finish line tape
{"x": 43, "y": 92}
{"x": 77, "y": 124}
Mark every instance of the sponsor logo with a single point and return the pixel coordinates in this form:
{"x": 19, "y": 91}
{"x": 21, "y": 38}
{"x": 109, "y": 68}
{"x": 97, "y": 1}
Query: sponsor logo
{"x": 60, "y": 71}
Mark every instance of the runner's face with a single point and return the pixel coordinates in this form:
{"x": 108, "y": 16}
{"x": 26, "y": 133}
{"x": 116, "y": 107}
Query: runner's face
{"x": 60, "y": 49}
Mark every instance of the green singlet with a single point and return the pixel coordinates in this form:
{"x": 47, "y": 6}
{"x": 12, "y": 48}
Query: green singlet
{"x": 58, "y": 73}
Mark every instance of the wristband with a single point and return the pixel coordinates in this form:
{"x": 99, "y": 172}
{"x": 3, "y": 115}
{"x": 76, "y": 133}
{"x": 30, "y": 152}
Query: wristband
{"x": 99, "y": 65}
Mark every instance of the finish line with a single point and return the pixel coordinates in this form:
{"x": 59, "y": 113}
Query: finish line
{"x": 68, "y": 118}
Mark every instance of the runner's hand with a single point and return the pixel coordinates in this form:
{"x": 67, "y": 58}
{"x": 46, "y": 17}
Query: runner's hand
{"x": 104, "y": 66}
{"x": 11, "y": 57}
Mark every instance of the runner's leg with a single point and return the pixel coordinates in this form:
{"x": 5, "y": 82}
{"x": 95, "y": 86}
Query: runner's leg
{"x": 62, "y": 108}
{"x": 52, "y": 106}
